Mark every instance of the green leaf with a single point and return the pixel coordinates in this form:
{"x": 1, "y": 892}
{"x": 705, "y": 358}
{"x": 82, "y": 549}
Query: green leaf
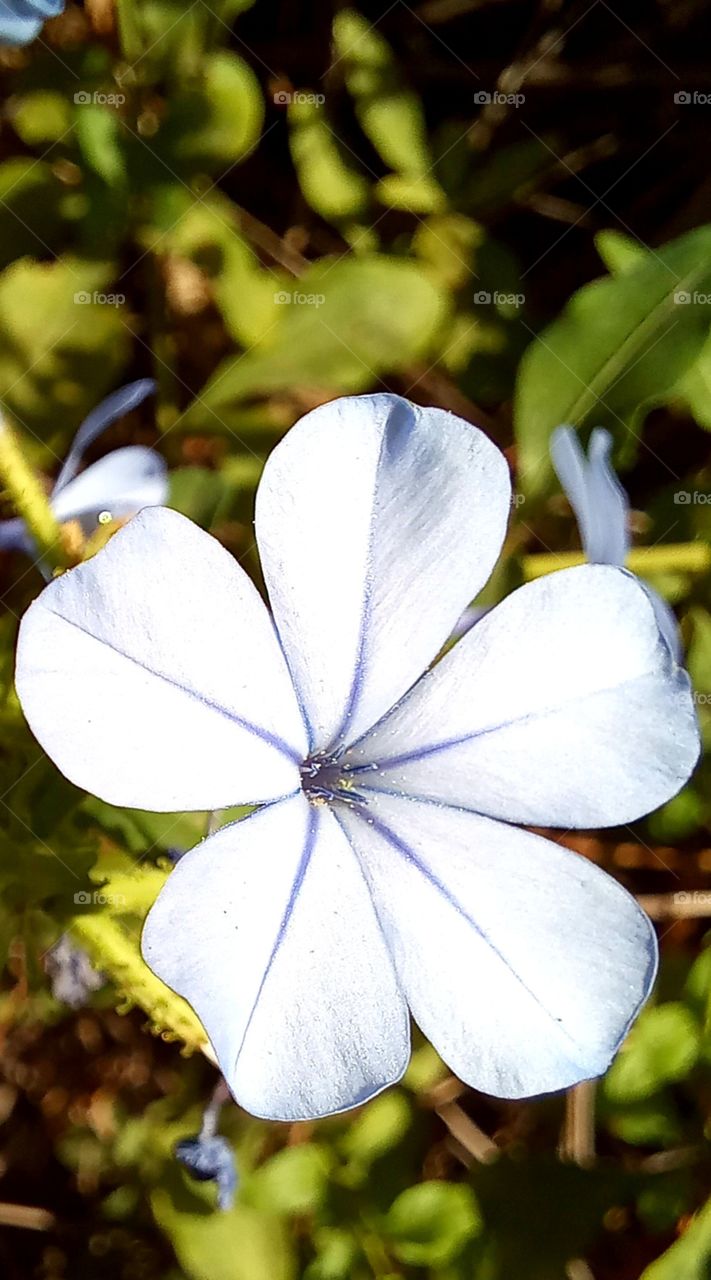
{"x": 621, "y": 345}
{"x": 431, "y": 1223}
{"x": 239, "y": 1244}
{"x": 425, "y": 1070}
{"x": 662, "y": 1048}
{"x": 216, "y": 123}
{"x": 41, "y": 116}
{"x": 695, "y": 387}
{"x": 377, "y": 1128}
{"x": 243, "y": 290}
{"x": 197, "y": 493}
{"x": 330, "y": 183}
{"x": 100, "y": 138}
{"x": 295, "y": 1180}
{"x": 618, "y": 251}
{"x": 336, "y": 1255}
{"x": 690, "y": 1257}
{"x": 30, "y": 209}
{"x": 389, "y": 113}
{"x": 142, "y": 832}
{"x": 340, "y": 327}
{"x": 697, "y": 989}
{"x": 62, "y": 343}
{"x": 652, "y": 1122}
{"x": 678, "y": 819}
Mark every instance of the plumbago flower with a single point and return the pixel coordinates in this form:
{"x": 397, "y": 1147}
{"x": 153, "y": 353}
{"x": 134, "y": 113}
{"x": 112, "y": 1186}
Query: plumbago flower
{"x": 601, "y": 509}
{"x": 121, "y": 483}
{"x": 383, "y": 868}
{"x": 22, "y": 20}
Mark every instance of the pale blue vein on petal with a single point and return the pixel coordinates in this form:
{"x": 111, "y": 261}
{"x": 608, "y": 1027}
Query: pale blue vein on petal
{"x": 396, "y": 433}
{"x": 306, "y": 854}
{"x": 404, "y": 849}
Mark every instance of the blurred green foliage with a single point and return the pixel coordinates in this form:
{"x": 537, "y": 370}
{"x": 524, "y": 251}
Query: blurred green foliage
{"x": 171, "y": 204}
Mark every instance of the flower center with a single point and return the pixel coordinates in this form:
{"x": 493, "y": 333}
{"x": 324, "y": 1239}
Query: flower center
{"x": 324, "y": 779}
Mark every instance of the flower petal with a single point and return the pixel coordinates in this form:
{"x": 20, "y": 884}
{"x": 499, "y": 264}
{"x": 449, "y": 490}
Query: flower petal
{"x": 155, "y": 696}
{"x": 122, "y": 482}
{"x": 19, "y": 22}
{"x": 268, "y": 930}
{"x": 561, "y": 707}
{"x": 523, "y": 963}
{"x": 666, "y": 621}
{"x": 104, "y": 415}
{"x": 377, "y": 523}
{"x": 14, "y": 535}
{"x": 600, "y": 503}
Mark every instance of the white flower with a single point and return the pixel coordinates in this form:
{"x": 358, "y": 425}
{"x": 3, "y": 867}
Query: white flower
{"x": 384, "y": 869}
{"x": 121, "y": 483}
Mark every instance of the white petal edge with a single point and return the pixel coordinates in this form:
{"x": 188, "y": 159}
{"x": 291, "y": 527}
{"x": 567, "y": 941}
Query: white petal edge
{"x": 153, "y": 678}
{"x": 268, "y": 930}
{"x": 523, "y": 963}
{"x": 377, "y": 523}
{"x": 561, "y": 707}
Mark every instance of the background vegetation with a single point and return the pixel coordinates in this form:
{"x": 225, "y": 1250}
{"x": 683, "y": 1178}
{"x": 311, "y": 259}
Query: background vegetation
{"x": 265, "y": 206}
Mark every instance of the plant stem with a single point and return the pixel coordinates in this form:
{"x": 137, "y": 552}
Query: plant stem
{"x": 30, "y": 500}
{"x": 679, "y": 557}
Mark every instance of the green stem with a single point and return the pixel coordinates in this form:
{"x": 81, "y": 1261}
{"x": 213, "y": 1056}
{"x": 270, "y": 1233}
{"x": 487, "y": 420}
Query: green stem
{"x": 29, "y": 499}
{"x": 679, "y": 557}
{"x": 129, "y": 30}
